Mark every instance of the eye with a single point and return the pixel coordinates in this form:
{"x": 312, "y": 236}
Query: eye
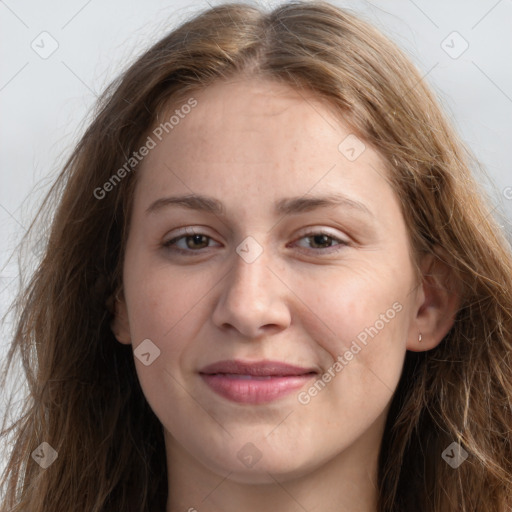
{"x": 195, "y": 241}
{"x": 323, "y": 239}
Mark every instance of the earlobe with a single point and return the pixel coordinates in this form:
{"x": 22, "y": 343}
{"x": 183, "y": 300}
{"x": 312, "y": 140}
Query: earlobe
{"x": 120, "y": 325}
{"x": 438, "y": 303}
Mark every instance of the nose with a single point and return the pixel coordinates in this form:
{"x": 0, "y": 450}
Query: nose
{"x": 253, "y": 298}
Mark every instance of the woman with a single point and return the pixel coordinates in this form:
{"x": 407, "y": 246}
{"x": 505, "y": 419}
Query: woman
{"x": 271, "y": 282}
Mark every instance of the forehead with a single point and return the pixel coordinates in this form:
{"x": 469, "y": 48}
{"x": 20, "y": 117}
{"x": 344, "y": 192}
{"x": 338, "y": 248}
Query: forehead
{"x": 258, "y": 138}
{"x": 251, "y": 111}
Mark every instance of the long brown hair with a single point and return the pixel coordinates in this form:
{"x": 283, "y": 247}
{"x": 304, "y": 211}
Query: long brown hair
{"x": 84, "y": 397}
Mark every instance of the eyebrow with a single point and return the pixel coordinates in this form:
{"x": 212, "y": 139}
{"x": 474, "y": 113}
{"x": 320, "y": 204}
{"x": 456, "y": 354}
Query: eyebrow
{"x": 286, "y": 206}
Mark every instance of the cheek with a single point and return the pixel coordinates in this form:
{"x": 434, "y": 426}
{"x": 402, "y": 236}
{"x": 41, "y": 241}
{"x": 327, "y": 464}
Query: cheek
{"x": 164, "y": 312}
{"x": 360, "y": 320}
{"x": 353, "y": 305}
{"x": 163, "y": 308}
{"x": 162, "y": 297}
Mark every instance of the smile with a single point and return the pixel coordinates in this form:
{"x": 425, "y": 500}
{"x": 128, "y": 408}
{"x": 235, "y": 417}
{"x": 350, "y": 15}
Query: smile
{"x": 255, "y": 383}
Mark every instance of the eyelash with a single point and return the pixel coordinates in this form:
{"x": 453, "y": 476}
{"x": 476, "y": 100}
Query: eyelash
{"x": 189, "y": 233}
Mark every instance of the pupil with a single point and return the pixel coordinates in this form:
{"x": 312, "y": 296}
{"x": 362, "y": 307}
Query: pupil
{"x": 322, "y": 237}
{"x": 196, "y": 239}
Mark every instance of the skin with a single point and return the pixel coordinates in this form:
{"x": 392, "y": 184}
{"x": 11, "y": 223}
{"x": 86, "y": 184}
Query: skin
{"x": 250, "y": 143}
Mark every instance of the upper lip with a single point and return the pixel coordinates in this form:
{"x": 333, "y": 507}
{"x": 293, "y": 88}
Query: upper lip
{"x": 255, "y": 368}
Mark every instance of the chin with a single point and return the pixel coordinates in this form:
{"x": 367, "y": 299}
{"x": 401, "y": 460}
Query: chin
{"x": 263, "y": 468}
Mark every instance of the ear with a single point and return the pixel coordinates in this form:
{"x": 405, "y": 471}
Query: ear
{"x": 437, "y": 303}
{"x": 120, "y": 325}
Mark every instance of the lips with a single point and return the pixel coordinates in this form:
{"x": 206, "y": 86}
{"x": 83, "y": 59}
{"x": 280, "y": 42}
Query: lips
{"x": 255, "y": 382}
{"x": 256, "y": 369}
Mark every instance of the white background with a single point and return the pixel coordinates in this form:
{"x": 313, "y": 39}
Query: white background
{"x": 45, "y": 102}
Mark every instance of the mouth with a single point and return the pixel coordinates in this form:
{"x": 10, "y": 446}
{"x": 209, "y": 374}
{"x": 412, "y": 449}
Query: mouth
{"x": 255, "y": 382}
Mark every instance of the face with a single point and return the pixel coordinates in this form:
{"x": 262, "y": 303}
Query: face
{"x": 311, "y": 304}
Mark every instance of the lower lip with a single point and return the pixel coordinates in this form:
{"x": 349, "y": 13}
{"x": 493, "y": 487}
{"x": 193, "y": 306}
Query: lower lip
{"x": 255, "y": 390}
